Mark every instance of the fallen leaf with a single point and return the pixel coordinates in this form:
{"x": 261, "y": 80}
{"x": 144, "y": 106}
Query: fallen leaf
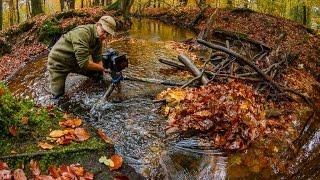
{"x": 77, "y": 169}
{"x": 13, "y": 152}
{"x": 63, "y": 141}
{"x": 1, "y": 91}
{"x": 117, "y": 160}
{"x": 82, "y": 134}
{"x": 103, "y": 136}
{"x": 5, "y": 174}
{"x": 34, "y": 168}
{"x": 65, "y": 116}
{"x": 13, "y": 131}
{"x": 56, "y": 133}
{"x": 3, "y": 166}
{"x": 44, "y": 177}
{"x": 106, "y": 161}
{"x": 18, "y": 174}
{"x": 45, "y": 145}
{"x": 88, "y": 176}
{"x": 53, "y": 171}
{"x": 24, "y": 120}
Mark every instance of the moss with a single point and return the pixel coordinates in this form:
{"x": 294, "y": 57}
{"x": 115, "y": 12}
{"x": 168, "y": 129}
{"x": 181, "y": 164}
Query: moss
{"x": 4, "y": 47}
{"x": 69, "y": 14}
{"x": 26, "y": 26}
{"x": 49, "y": 29}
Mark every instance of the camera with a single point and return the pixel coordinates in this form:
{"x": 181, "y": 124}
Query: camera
{"x": 111, "y": 59}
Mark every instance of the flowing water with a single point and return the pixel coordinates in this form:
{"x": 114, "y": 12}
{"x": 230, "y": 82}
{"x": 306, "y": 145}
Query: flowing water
{"x": 133, "y": 121}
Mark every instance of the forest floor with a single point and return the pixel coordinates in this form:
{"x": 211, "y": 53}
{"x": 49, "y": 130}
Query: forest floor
{"x": 285, "y": 36}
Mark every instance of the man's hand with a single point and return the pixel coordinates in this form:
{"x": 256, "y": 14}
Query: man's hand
{"x": 96, "y": 66}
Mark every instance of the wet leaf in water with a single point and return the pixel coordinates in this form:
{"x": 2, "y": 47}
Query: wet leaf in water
{"x": 45, "y": 145}
{"x": 117, "y": 160}
{"x": 24, "y": 120}
{"x": 82, "y": 134}
{"x": 18, "y": 174}
{"x": 13, "y": 131}
{"x": 56, "y": 133}
{"x": 34, "y": 168}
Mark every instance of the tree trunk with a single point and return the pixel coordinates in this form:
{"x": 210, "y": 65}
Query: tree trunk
{"x": 17, "y": 9}
{"x": 61, "y": 5}
{"x": 72, "y": 4}
{"x": 11, "y": 12}
{"x": 1, "y": 14}
{"x": 36, "y": 7}
{"x": 229, "y": 2}
{"x": 102, "y": 2}
{"x": 96, "y": 2}
{"x": 81, "y": 6}
{"x": 125, "y": 6}
{"x": 28, "y": 11}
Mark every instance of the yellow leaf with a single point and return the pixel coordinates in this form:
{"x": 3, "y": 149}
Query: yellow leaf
{"x": 45, "y": 145}
{"x": 56, "y": 133}
{"x": 107, "y": 162}
{"x": 175, "y": 97}
{"x": 166, "y": 110}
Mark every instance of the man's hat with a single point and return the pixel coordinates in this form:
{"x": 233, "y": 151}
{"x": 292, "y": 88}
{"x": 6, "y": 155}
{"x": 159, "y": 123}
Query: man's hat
{"x": 108, "y": 24}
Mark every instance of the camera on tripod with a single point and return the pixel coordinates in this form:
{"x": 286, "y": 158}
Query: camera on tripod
{"x": 115, "y": 62}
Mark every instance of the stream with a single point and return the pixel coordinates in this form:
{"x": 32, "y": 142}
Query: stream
{"x": 134, "y": 122}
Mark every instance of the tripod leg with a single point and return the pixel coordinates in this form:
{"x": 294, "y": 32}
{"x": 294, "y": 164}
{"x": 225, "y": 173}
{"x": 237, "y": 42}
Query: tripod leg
{"x": 109, "y": 91}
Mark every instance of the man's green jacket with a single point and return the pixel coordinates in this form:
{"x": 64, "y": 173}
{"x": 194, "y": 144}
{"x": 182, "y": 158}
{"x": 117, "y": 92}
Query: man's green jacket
{"x": 73, "y": 49}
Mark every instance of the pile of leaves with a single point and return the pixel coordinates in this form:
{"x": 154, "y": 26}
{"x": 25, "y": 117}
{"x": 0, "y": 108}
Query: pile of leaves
{"x": 72, "y": 132}
{"x": 232, "y": 113}
{"x": 73, "y": 171}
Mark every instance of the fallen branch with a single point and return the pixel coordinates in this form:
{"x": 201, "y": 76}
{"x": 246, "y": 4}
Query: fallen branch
{"x": 243, "y": 60}
{"x": 192, "y": 68}
{"x": 172, "y": 63}
{"x": 242, "y": 37}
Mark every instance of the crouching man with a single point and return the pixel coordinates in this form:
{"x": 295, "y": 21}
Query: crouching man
{"x": 79, "y": 51}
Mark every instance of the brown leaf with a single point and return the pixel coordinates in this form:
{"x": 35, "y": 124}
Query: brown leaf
{"x": 34, "y": 168}
{"x": 82, "y": 134}
{"x": 1, "y": 92}
{"x": 53, "y": 171}
{"x": 3, "y": 166}
{"x": 13, "y": 131}
{"x": 13, "y": 152}
{"x": 24, "y": 120}
{"x": 77, "y": 169}
{"x": 103, "y": 136}
{"x": 117, "y": 160}
{"x": 63, "y": 141}
{"x": 5, "y": 174}
{"x": 44, "y": 177}
{"x": 88, "y": 176}
{"x": 66, "y": 116}
{"x": 56, "y": 133}
{"x": 18, "y": 174}
{"x": 45, "y": 145}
